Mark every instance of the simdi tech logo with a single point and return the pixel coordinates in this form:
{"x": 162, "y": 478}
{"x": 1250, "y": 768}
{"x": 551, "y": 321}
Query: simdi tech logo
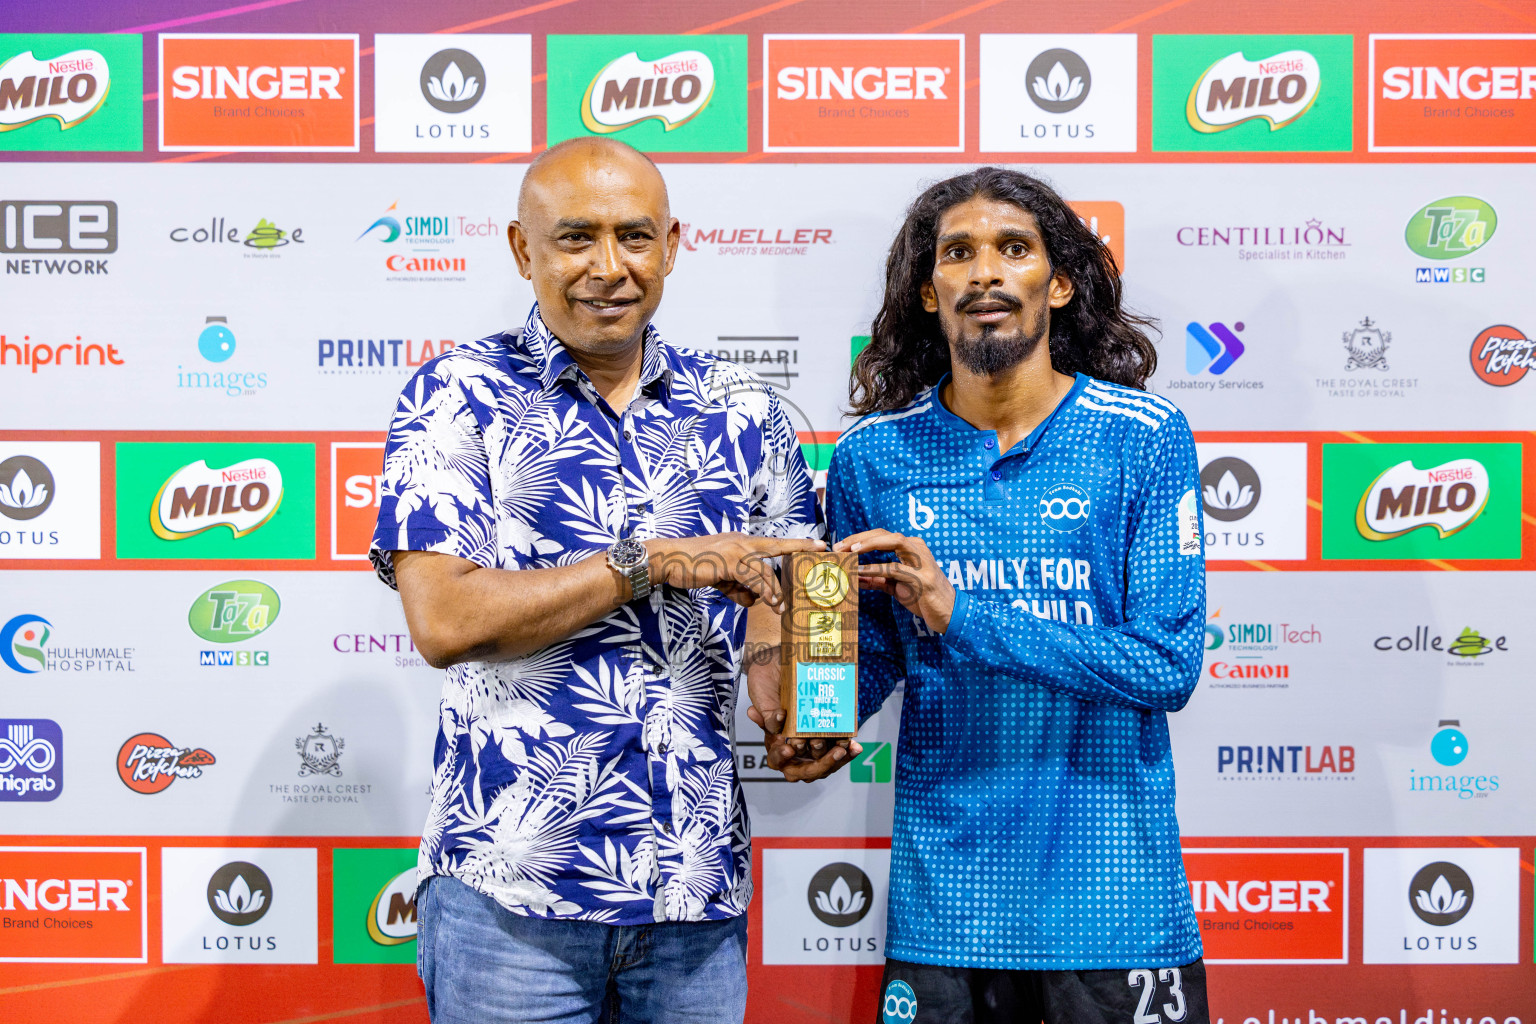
{"x": 1395, "y": 501}
{"x": 259, "y": 93}
{"x": 1252, "y": 93}
{"x": 1452, "y": 94}
{"x": 1058, "y": 93}
{"x": 66, "y": 904}
{"x": 683, "y": 94}
{"x": 876, "y": 93}
{"x": 215, "y": 500}
{"x": 76, "y": 93}
{"x": 473, "y": 96}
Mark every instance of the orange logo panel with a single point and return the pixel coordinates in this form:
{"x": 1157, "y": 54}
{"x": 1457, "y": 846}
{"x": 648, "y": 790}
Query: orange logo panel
{"x": 1107, "y": 221}
{"x": 844, "y": 94}
{"x": 75, "y": 904}
{"x": 1453, "y": 94}
{"x": 291, "y": 93}
{"x": 357, "y": 473}
{"x": 1271, "y": 906}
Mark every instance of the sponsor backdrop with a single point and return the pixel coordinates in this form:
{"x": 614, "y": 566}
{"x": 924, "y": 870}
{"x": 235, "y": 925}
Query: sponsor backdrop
{"x": 229, "y": 234}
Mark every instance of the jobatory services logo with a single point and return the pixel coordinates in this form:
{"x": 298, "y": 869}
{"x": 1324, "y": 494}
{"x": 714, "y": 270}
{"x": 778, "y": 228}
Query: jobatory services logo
{"x": 1440, "y": 906}
{"x": 1452, "y": 94}
{"x": 148, "y": 763}
{"x": 1254, "y": 496}
{"x": 66, "y": 904}
{"x": 31, "y": 759}
{"x": 80, "y": 93}
{"x": 863, "y": 93}
{"x": 215, "y": 500}
{"x": 824, "y": 906}
{"x": 1238, "y": 93}
{"x": 658, "y": 93}
{"x": 216, "y": 343}
{"x": 373, "y": 893}
{"x": 50, "y": 499}
{"x": 259, "y": 93}
{"x": 1271, "y": 906}
{"x": 1395, "y": 501}
{"x": 1501, "y": 355}
{"x": 252, "y": 905}
{"x": 1210, "y": 350}
{"x": 64, "y": 237}
{"x": 475, "y": 96}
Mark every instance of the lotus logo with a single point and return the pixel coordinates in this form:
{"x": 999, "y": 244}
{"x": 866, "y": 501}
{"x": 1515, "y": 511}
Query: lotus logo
{"x": 1235, "y": 90}
{"x": 1440, "y": 893}
{"x": 452, "y": 81}
{"x": 1212, "y": 349}
{"x": 68, "y": 88}
{"x": 1229, "y": 489}
{"x": 1448, "y": 497}
{"x": 239, "y": 893}
{"x": 840, "y": 895}
{"x": 26, "y": 488}
{"x": 673, "y": 90}
{"x": 198, "y": 498}
{"x": 1058, "y": 81}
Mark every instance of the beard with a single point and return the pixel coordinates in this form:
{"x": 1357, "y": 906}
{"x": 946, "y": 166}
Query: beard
{"x": 992, "y": 352}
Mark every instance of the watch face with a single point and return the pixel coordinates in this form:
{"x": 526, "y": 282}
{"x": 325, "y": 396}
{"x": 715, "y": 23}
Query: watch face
{"x": 627, "y": 554}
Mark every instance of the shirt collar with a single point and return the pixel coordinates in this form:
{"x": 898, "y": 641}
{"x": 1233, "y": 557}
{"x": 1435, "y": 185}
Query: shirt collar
{"x": 955, "y": 425}
{"x": 554, "y": 362}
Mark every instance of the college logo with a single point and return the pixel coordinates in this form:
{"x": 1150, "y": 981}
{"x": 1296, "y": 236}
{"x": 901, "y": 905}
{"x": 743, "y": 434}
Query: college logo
{"x": 148, "y": 762}
{"x": 473, "y": 97}
{"x": 1500, "y": 355}
{"x": 319, "y": 753}
{"x": 840, "y": 895}
{"x": 1456, "y": 905}
{"x": 254, "y": 93}
{"x": 31, "y": 759}
{"x": 71, "y": 92}
{"x": 846, "y": 94}
{"x": 26, "y": 488}
{"x": 263, "y": 240}
{"x": 1271, "y": 906}
{"x": 1229, "y": 489}
{"x": 1212, "y": 349}
{"x": 374, "y": 905}
{"x": 659, "y": 93}
{"x": 22, "y": 643}
{"x": 824, "y": 906}
{"x": 1448, "y": 497}
{"x": 238, "y": 905}
{"x": 1064, "y": 507}
{"x": 1452, "y": 93}
{"x": 52, "y": 229}
{"x": 1229, "y": 93}
{"x": 195, "y": 498}
{"x": 239, "y": 893}
{"x": 73, "y": 904}
{"x": 1450, "y": 228}
{"x": 1467, "y": 647}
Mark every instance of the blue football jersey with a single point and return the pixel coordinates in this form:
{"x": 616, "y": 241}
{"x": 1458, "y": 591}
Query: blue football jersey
{"x": 1034, "y": 824}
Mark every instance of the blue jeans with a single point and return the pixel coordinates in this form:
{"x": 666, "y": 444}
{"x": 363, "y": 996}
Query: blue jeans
{"x": 483, "y": 964}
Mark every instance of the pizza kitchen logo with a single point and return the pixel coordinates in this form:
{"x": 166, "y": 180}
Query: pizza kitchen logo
{"x": 148, "y": 762}
{"x": 1501, "y": 355}
{"x": 198, "y": 498}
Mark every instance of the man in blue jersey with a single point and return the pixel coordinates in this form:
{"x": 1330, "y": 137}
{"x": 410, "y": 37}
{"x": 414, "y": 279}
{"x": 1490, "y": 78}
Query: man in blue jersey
{"x": 1029, "y": 528}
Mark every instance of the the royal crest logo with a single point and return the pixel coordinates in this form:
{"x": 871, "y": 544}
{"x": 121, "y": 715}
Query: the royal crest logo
{"x": 319, "y": 753}
{"x": 1234, "y": 90}
{"x": 149, "y": 763}
{"x": 1367, "y": 347}
{"x": 672, "y": 90}
{"x": 198, "y": 498}
{"x": 1448, "y": 497}
{"x": 70, "y": 88}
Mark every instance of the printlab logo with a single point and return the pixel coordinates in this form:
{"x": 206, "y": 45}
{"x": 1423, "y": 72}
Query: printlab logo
{"x": 1064, "y": 507}
{"x": 319, "y": 753}
{"x": 26, "y": 488}
{"x": 1440, "y": 894}
{"x": 239, "y": 893}
{"x": 23, "y": 643}
{"x": 452, "y": 80}
{"x": 1058, "y": 81}
{"x": 840, "y": 895}
{"x": 1212, "y": 349}
{"x": 64, "y": 99}
{"x": 1500, "y": 355}
{"x": 149, "y": 763}
{"x": 31, "y": 759}
{"x": 1229, "y": 489}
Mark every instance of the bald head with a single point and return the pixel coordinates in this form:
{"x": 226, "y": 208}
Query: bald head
{"x": 588, "y": 157}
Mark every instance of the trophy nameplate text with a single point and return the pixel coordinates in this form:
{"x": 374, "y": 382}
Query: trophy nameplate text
{"x": 818, "y": 687}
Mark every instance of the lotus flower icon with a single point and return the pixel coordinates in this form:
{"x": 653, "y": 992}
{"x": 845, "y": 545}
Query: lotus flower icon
{"x": 1058, "y": 86}
{"x": 239, "y": 899}
{"x": 1441, "y": 898}
{"x": 839, "y": 899}
{"x": 23, "y": 493}
{"x": 453, "y": 86}
{"x": 1228, "y": 494}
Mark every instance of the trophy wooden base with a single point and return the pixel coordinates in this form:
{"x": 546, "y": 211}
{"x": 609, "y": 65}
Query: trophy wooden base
{"x": 819, "y": 659}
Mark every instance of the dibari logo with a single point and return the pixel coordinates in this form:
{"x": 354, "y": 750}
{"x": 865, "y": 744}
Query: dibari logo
{"x": 1440, "y": 893}
{"x": 319, "y": 753}
{"x": 239, "y": 893}
{"x": 1235, "y": 90}
{"x": 840, "y": 895}
{"x": 1500, "y": 355}
{"x": 1229, "y": 489}
{"x": 671, "y": 90}
{"x": 1064, "y": 507}
{"x": 60, "y": 100}
{"x": 148, "y": 762}
{"x": 26, "y": 488}
{"x": 22, "y": 643}
{"x": 54, "y": 228}
{"x": 1448, "y": 497}
{"x": 196, "y": 498}
{"x": 31, "y": 759}
{"x": 1452, "y": 93}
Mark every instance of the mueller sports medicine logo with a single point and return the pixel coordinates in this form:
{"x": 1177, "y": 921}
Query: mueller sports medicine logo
{"x": 257, "y": 93}
{"x": 671, "y": 90}
{"x": 1448, "y": 497}
{"x": 31, "y": 759}
{"x": 149, "y": 763}
{"x": 65, "y": 236}
{"x": 1212, "y": 348}
{"x": 198, "y": 498}
{"x": 865, "y": 93}
{"x": 1452, "y": 93}
{"x": 773, "y": 240}
{"x": 1501, "y": 355}
{"x": 69, "y": 88}
{"x": 1271, "y": 906}
{"x": 73, "y": 904}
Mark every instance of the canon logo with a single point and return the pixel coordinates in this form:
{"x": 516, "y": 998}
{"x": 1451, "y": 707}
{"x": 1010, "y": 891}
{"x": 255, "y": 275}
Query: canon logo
{"x": 1257, "y": 897}
{"x": 56, "y": 894}
{"x": 1458, "y": 83}
{"x": 869, "y": 83}
{"x": 289, "y": 82}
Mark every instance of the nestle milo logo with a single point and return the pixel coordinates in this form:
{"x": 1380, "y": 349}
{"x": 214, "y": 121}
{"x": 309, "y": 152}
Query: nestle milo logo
{"x": 1452, "y": 227}
{"x": 233, "y": 611}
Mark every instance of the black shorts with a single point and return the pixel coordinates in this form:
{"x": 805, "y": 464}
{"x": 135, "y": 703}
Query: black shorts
{"x": 926, "y": 994}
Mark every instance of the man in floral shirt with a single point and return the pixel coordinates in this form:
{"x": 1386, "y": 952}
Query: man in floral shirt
{"x": 575, "y": 515}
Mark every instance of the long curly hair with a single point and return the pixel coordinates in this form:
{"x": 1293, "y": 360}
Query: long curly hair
{"x": 1092, "y": 333}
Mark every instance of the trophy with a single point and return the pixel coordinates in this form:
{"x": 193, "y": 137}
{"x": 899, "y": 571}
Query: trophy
{"x": 818, "y": 684}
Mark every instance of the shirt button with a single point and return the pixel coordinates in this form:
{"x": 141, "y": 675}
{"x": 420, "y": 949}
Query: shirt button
{"x": 989, "y": 443}
{"x": 628, "y": 436}
{"x": 666, "y": 827}
{"x": 997, "y": 474}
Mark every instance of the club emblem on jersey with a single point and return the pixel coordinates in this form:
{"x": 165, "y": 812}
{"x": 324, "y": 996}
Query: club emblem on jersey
{"x": 1064, "y": 507}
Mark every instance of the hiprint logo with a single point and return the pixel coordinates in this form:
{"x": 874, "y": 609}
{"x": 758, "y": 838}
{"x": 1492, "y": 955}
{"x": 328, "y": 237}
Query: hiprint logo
{"x": 844, "y": 94}
{"x": 840, "y": 895}
{"x": 1234, "y": 90}
{"x": 38, "y": 354}
{"x": 1441, "y": 893}
{"x": 1283, "y": 905}
{"x": 73, "y": 904}
{"x": 1452, "y": 93}
{"x": 31, "y": 759}
{"x": 1448, "y": 497}
{"x": 148, "y": 762}
{"x": 239, "y": 893}
{"x": 197, "y": 498}
{"x": 23, "y": 643}
{"x": 1501, "y": 355}
{"x": 80, "y": 93}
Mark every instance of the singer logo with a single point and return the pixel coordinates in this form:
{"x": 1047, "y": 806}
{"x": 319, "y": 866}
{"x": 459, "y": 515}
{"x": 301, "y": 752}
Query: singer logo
{"x": 197, "y": 498}
{"x": 1448, "y": 497}
{"x": 672, "y": 90}
{"x": 1271, "y": 906}
{"x": 1448, "y": 94}
{"x": 258, "y": 93}
{"x": 1235, "y": 89}
{"x": 73, "y": 904}
{"x": 357, "y": 478}
{"x": 849, "y": 94}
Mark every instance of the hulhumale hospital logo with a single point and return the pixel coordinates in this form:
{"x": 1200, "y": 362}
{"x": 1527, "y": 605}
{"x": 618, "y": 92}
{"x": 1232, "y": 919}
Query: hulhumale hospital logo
{"x": 23, "y": 643}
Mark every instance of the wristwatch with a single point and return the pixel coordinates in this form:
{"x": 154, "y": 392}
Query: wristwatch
{"x": 630, "y": 559}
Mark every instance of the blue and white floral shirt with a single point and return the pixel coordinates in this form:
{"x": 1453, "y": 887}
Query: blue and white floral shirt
{"x": 592, "y": 779}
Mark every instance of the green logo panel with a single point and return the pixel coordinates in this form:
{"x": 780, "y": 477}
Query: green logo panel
{"x": 1272, "y": 94}
{"x": 373, "y": 907}
{"x": 660, "y": 94}
{"x": 234, "y": 611}
{"x": 1451, "y": 227}
{"x": 284, "y": 528}
{"x": 76, "y": 93}
{"x": 1466, "y": 496}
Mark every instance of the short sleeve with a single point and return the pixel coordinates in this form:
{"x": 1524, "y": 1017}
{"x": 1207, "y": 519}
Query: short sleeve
{"x": 783, "y": 495}
{"x": 436, "y": 494}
